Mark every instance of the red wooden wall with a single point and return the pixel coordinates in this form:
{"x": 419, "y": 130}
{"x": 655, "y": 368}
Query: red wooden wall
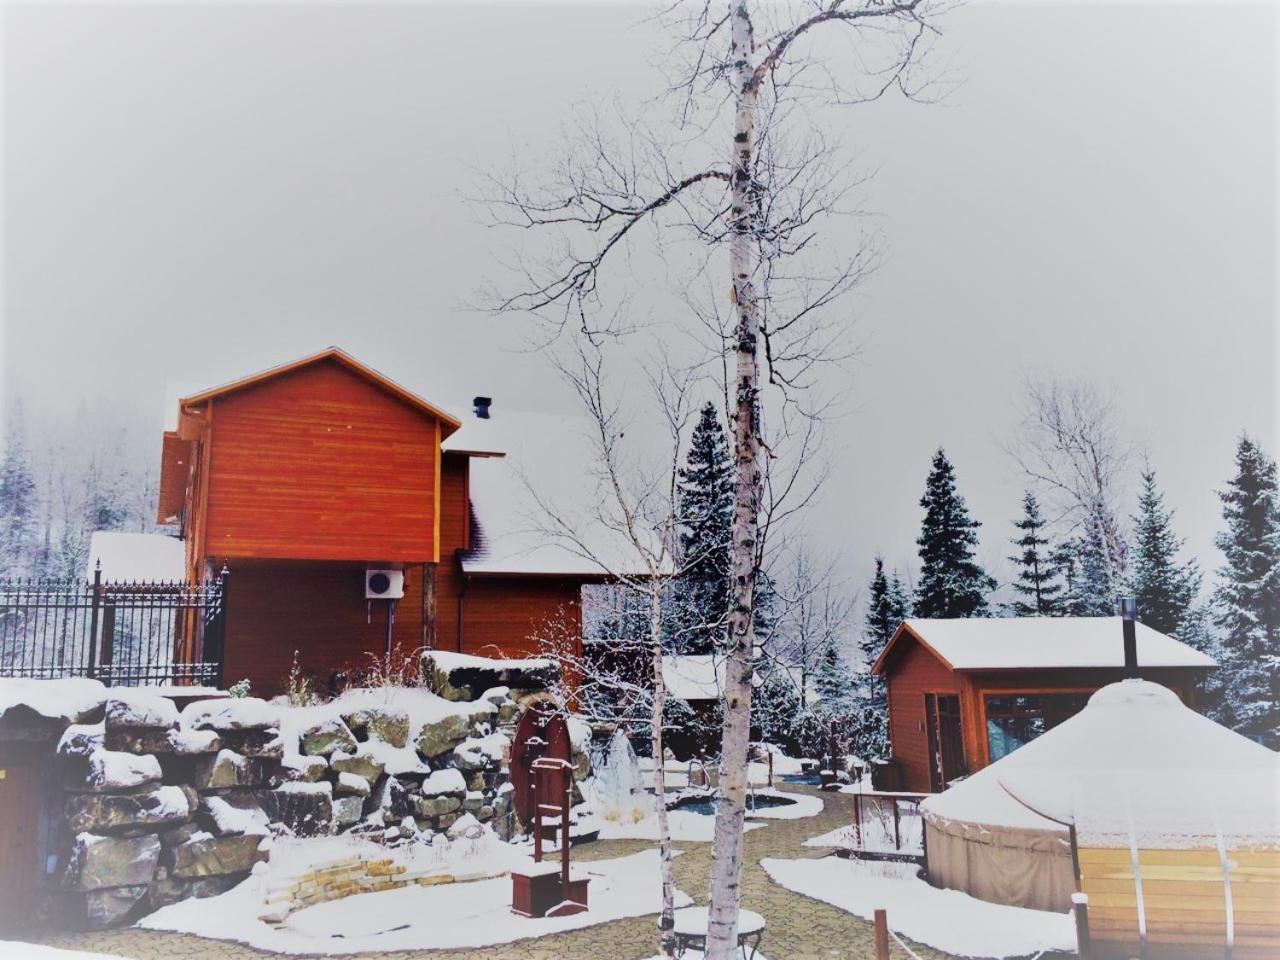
{"x": 320, "y": 464}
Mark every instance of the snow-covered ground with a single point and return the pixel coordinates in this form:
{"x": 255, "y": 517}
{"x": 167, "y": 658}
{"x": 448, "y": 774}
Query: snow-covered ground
{"x": 877, "y": 833}
{"x": 479, "y": 913}
{"x": 943, "y": 919}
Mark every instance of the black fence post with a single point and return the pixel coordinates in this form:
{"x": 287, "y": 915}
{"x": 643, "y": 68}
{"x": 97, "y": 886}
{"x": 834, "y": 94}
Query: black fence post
{"x": 93, "y": 620}
{"x": 224, "y": 578}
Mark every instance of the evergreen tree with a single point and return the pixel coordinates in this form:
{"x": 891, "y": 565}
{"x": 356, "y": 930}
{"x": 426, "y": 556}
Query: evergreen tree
{"x": 1165, "y": 589}
{"x": 1248, "y": 597}
{"x": 19, "y": 503}
{"x": 1038, "y": 585}
{"x": 1091, "y": 588}
{"x": 952, "y": 584}
{"x": 705, "y": 505}
{"x": 887, "y": 606}
{"x": 833, "y": 680}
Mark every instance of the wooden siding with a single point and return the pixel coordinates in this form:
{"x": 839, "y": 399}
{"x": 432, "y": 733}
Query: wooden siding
{"x": 320, "y": 464}
{"x": 175, "y": 472}
{"x": 916, "y": 672}
{"x": 1185, "y": 902}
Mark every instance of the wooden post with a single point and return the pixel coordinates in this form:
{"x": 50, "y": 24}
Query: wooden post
{"x": 770, "y": 768}
{"x": 857, "y": 818}
{"x": 429, "y": 606}
{"x": 882, "y": 935}
{"x": 897, "y": 828}
{"x": 564, "y": 833}
{"x": 93, "y": 620}
{"x": 1080, "y": 907}
{"x": 537, "y": 815}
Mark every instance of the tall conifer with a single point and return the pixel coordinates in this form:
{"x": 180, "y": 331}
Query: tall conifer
{"x": 1164, "y": 588}
{"x": 1038, "y": 585}
{"x": 952, "y": 584}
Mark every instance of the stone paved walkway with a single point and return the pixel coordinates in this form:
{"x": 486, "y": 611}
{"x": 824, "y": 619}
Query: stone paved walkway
{"x": 799, "y": 928}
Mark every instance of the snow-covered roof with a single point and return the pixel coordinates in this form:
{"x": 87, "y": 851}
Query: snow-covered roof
{"x": 136, "y": 557}
{"x": 1137, "y": 761}
{"x": 1018, "y": 643}
{"x": 516, "y": 451}
{"x": 693, "y": 676}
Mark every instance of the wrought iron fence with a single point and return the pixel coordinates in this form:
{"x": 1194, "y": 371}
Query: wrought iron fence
{"x": 122, "y": 633}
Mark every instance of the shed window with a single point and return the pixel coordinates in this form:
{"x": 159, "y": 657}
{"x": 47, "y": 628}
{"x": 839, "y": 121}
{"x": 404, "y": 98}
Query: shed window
{"x": 1018, "y": 718}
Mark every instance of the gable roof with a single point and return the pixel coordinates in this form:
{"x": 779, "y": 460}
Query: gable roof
{"x": 1032, "y": 643}
{"x": 340, "y": 356}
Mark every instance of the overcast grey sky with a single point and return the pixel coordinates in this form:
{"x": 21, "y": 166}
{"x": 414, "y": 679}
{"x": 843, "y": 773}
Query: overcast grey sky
{"x": 193, "y": 189}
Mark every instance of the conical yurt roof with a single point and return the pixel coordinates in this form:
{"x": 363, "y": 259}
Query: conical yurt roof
{"x": 1138, "y": 765}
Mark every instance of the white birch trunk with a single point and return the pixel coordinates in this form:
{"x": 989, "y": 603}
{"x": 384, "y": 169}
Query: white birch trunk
{"x": 666, "y": 920}
{"x": 726, "y": 851}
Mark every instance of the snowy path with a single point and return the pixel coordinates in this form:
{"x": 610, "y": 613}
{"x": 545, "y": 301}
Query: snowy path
{"x": 800, "y": 928}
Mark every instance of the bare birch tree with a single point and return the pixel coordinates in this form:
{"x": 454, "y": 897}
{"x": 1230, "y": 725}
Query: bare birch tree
{"x": 1071, "y": 445}
{"x": 749, "y": 82}
{"x": 631, "y": 534}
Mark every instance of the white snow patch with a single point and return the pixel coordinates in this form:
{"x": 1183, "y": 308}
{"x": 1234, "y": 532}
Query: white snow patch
{"x": 140, "y": 707}
{"x": 994, "y": 643}
{"x": 479, "y": 913}
{"x": 65, "y": 699}
{"x": 114, "y": 769}
{"x": 236, "y": 820}
{"x": 447, "y": 660}
{"x": 946, "y": 920}
{"x": 231, "y": 713}
{"x": 444, "y": 781}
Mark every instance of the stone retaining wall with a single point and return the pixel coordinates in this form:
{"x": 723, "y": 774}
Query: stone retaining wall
{"x": 144, "y": 806}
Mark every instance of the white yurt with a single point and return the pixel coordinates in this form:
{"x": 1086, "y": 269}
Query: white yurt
{"x": 1136, "y": 769}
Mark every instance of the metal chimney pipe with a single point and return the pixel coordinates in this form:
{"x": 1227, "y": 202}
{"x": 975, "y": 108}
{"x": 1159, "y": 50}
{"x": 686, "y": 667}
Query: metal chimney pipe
{"x": 481, "y": 405}
{"x": 1127, "y": 607}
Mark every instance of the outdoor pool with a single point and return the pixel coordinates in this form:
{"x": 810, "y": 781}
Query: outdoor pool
{"x": 707, "y": 805}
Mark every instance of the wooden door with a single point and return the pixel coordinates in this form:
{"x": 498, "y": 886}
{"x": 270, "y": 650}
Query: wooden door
{"x": 946, "y": 744}
{"x": 19, "y": 793}
{"x": 541, "y": 732}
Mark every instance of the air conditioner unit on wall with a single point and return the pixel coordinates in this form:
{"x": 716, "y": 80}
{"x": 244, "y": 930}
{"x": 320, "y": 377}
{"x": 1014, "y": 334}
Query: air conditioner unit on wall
{"x": 383, "y": 583}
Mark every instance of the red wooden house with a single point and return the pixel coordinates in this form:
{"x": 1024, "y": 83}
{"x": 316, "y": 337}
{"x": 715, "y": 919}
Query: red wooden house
{"x": 963, "y": 693}
{"x": 309, "y": 479}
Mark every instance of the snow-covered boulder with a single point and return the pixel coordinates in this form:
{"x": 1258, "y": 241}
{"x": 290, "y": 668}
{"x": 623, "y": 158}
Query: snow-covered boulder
{"x": 64, "y": 701}
{"x": 231, "y": 713}
{"x": 304, "y": 769}
{"x": 96, "y": 861}
{"x": 227, "y": 769}
{"x": 466, "y": 826}
{"x": 444, "y": 734}
{"x": 306, "y": 809}
{"x": 205, "y": 855}
{"x": 110, "y": 770}
{"x": 387, "y": 724}
{"x": 81, "y": 740}
{"x": 233, "y": 815}
{"x": 137, "y": 708}
{"x": 364, "y": 763}
{"x": 351, "y": 785}
{"x": 347, "y": 811}
{"x": 460, "y": 676}
{"x": 112, "y": 813}
{"x": 327, "y": 737}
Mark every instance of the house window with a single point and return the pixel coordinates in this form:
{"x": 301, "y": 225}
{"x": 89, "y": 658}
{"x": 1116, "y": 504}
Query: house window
{"x": 1016, "y": 718}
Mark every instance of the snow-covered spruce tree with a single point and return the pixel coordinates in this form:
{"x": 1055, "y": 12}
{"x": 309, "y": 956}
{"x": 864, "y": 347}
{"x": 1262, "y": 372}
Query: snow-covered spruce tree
{"x": 19, "y": 503}
{"x": 952, "y": 584}
{"x": 887, "y": 606}
{"x": 1247, "y": 598}
{"x": 705, "y": 516}
{"x": 1165, "y": 589}
{"x": 1091, "y": 585}
{"x": 1038, "y": 585}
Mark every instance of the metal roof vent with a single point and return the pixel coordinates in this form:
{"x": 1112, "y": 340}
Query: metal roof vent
{"x": 482, "y": 407}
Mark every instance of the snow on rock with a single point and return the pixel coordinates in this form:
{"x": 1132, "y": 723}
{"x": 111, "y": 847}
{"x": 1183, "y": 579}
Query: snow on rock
{"x": 115, "y": 770}
{"x": 444, "y": 781}
{"x": 465, "y": 826}
{"x": 579, "y": 734}
{"x": 231, "y": 713}
{"x": 70, "y": 699}
{"x": 81, "y": 739}
{"x": 231, "y": 819}
{"x": 139, "y": 707}
{"x": 946, "y": 920}
{"x": 409, "y": 918}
